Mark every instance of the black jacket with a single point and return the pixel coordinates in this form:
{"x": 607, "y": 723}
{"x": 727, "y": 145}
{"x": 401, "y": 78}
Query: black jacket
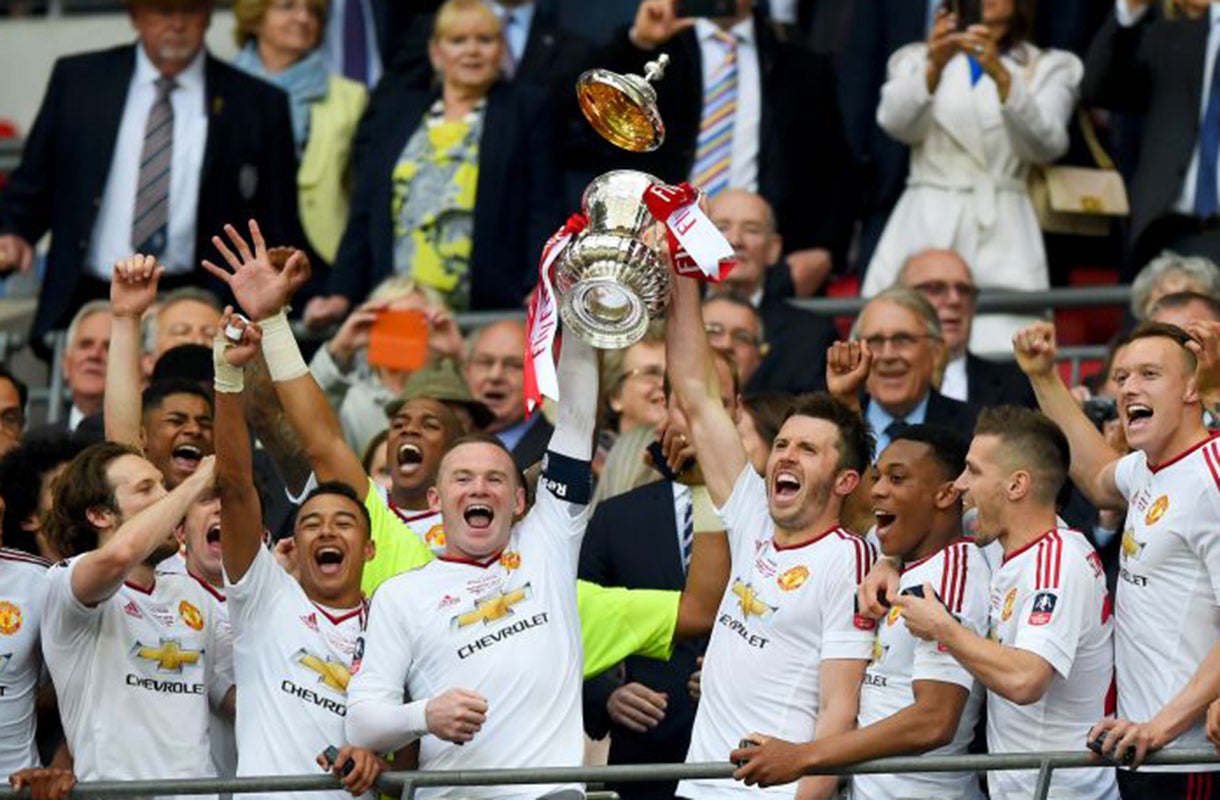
{"x": 1153, "y": 69}
{"x": 517, "y": 201}
{"x": 805, "y": 167}
{"x": 632, "y": 541}
{"x": 995, "y": 383}
{"x": 797, "y": 340}
{"x": 249, "y": 167}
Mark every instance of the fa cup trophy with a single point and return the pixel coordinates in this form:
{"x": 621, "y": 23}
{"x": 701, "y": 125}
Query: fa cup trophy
{"x": 610, "y": 280}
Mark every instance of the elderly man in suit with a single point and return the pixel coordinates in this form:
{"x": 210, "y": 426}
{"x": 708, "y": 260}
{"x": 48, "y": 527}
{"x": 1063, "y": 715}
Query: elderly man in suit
{"x": 146, "y": 148}
{"x": 745, "y": 110}
{"x": 792, "y": 359}
{"x": 898, "y": 342}
{"x": 494, "y": 372}
{"x": 944, "y": 278}
{"x": 1147, "y": 63}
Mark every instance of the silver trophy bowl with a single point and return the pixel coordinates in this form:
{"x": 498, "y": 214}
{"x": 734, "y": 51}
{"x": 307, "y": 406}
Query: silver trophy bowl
{"x": 611, "y": 283}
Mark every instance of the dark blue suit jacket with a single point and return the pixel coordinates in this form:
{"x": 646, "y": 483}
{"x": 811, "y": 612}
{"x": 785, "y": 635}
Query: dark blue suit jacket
{"x": 249, "y": 167}
{"x": 517, "y": 202}
{"x": 632, "y": 541}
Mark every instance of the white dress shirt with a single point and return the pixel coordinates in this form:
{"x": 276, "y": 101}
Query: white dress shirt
{"x": 517, "y": 21}
{"x": 111, "y": 237}
{"x": 1186, "y": 200}
{"x": 332, "y": 42}
{"x": 743, "y": 173}
{"x": 955, "y": 383}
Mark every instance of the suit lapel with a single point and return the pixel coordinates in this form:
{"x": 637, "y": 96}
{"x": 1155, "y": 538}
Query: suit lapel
{"x": 214, "y": 100}
{"x": 956, "y": 111}
{"x": 499, "y": 128}
{"x": 1196, "y": 42}
{"x": 107, "y": 101}
{"x": 539, "y": 48}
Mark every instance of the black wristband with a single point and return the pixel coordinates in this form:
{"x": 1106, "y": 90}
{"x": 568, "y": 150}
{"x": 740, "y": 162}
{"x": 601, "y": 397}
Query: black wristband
{"x": 569, "y": 479}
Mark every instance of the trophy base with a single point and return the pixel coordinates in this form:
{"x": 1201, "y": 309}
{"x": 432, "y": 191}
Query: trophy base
{"x": 604, "y": 313}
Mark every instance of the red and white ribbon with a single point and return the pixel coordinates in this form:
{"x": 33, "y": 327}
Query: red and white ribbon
{"x": 697, "y": 246}
{"x": 542, "y": 320}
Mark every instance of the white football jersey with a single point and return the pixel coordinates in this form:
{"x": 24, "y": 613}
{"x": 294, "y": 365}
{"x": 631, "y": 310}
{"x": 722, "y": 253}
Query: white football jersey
{"x": 961, "y": 579}
{"x": 1050, "y": 598}
{"x": 22, "y": 590}
{"x": 221, "y": 730}
{"x": 293, "y": 661}
{"x": 134, "y": 675}
{"x": 1168, "y": 598}
{"x": 506, "y": 628}
{"x": 784, "y": 611}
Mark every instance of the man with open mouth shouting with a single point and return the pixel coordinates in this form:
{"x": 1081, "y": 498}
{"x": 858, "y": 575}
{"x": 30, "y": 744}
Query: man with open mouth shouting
{"x": 294, "y": 639}
{"x": 786, "y": 619}
{"x": 916, "y": 697}
{"x": 1167, "y": 610}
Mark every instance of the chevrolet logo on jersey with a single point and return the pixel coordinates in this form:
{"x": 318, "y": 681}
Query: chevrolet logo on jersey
{"x": 492, "y": 608}
{"x": 331, "y": 674}
{"x": 170, "y": 655}
{"x": 747, "y": 600}
{"x": 1132, "y": 547}
{"x": 879, "y": 650}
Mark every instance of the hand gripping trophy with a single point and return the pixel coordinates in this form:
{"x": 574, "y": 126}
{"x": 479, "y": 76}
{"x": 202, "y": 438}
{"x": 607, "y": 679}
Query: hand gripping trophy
{"x": 604, "y": 267}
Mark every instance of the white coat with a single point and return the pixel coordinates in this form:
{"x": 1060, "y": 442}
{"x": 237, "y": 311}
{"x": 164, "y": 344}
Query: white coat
{"x": 970, "y": 160}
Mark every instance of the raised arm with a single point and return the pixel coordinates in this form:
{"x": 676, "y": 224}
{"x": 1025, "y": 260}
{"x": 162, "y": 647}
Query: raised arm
{"x": 692, "y": 375}
{"x": 264, "y": 292}
{"x": 133, "y": 289}
{"x": 710, "y": 564}
{"x": 101, "y": 572}
{"x": 1093, "y": 460}
{"x": 241, "y": 529}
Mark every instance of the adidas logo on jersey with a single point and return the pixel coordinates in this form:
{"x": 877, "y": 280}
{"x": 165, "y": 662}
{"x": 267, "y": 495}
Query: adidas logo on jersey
{"x": 132, "y": 610}
{"x": 311, "y": 621}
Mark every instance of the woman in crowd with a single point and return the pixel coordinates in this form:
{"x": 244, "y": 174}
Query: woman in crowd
{"x": 978, "y": 107}
{"x": 279, "y": 43}
{"x": 457, "y": 187}
{"x": 1170, "y": 273}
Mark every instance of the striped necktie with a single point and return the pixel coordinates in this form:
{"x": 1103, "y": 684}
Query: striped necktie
{"x": 714, "y": 152}
{"x": 150, "y": 223}
{"x": 686, "y": 514}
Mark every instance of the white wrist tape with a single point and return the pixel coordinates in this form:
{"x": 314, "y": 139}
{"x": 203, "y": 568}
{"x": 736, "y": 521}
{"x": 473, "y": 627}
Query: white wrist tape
{"x": 227, "y": 379}
{"x": 280, "y": 350}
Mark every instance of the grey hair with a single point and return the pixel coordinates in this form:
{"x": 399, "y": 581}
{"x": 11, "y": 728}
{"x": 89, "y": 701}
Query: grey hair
{"x": 912, "y": 301}
{"x": 148, "y": 325}
{"x": 1202, "y": 271}
{"x": 83, "y": 313}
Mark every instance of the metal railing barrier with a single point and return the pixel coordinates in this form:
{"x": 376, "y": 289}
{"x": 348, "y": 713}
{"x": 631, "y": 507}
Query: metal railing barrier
{"x": 405, "y": 784}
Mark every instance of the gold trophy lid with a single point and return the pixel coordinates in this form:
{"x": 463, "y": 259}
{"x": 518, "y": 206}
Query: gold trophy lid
{"x": 623, "y": 108}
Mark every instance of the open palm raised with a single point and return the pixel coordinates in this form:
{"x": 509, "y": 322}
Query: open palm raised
{"x": 261, "y": 287}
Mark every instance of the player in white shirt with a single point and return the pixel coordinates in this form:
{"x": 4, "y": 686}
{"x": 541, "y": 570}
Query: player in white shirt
{"x": 22, "y": 589}
{"x": 788, "y": 652}
{"x": 493, "y": 622}
{"x": 1048, "y": 660}
{"x": 916, "y": 697}
{"x": 294, "y": 638}
{"x": 1167, "y": 607}
{"x": 127, "y": 650}
{"x": 479, "y": 493}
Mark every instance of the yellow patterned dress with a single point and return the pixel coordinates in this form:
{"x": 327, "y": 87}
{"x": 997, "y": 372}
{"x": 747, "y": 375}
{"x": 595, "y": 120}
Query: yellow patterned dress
{"x": 432, "y": 203}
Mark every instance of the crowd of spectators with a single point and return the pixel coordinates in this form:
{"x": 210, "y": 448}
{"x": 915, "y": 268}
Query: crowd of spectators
{"x": 757, "y": 534}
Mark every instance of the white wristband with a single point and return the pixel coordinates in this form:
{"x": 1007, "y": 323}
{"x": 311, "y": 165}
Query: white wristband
{"x": 227, "y": 379}
{"x": 280, "y": 350}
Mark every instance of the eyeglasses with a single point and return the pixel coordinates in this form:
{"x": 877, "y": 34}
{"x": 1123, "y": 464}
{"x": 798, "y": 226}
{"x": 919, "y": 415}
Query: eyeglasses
{"x": 939, "y": 289}
{"x": 12, "y": 420}
{"x": 654, "y": 373}
{"x": 902, "y": 342}
{"x": 488, "y": 363}
{"x": 739, "y": 335}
